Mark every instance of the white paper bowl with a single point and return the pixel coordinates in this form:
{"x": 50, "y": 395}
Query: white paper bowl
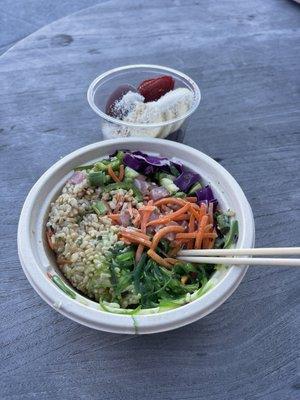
{"x": 38, "y": 262}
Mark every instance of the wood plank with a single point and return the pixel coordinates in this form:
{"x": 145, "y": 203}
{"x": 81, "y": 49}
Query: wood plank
{"x": 245, "y": 57}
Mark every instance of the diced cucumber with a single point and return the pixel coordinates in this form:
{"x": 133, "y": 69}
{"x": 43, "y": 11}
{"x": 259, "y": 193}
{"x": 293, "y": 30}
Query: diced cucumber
{"x": 99, "y": 207}
{"x": 162, "y": 175}
{"x": 180, "y": 195}
{"x": 130, "y": 173}
{"x": 103, "y": 165}
{"x": 195, "y": 187}
{"x": 98, "y": 178}
{"x": 169, "y": 185}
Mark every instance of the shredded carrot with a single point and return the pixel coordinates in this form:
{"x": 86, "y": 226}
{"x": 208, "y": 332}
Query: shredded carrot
{"x": 145, "y": 212}
{"x": 203, "y": 209}
{"x": 192, "y": 223}
{"x": 144, "y": 220}
{"x": 212, "y": 242}
{"x": 130, "y": 210}
{"x": 136, "y": 232}
{"x": 163, "y": 232}
{"x": 147, "y": 208}
{"x": 184, "y": 217}
{"x": 118, "y": 197}
{"x": 112, "y": 174}
{"x": 208, "y": 228}
{"x": 169, "y": 217}
{"x": 206, "y": 240}
{"x": 151, "y": 253}
{"x": 136, "y": 239}
{"x": 191, "y": 229}
{"x": 114, "y": 217}
{"x": 120, "y": 202}
{"x": 200, "y": 232}
{"x": 137, "y": 219}
{"x": 121, "y": 172}
{"x": 196, "y": 214}
{"x": 170, "y": 200}
{"x": 139, "y": 253}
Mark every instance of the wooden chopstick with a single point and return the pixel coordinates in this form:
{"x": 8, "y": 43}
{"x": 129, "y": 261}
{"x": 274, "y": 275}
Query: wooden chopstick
{"x": 284, "y": 251}
{"x": 242, "y": 261}
{"x": 204, "y": 256}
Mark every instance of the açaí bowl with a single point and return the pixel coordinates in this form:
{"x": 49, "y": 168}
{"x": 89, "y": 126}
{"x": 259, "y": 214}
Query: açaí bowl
{"x": 39, "y": 264}
{"x": 111, "y": 128}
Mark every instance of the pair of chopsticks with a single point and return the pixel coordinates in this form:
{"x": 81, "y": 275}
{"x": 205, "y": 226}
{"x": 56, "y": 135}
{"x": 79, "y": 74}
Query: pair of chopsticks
{"x": 231, "y": 256}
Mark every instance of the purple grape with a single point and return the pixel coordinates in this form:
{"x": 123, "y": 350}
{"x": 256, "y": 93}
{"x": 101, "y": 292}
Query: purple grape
{"x": 115, "y": 96}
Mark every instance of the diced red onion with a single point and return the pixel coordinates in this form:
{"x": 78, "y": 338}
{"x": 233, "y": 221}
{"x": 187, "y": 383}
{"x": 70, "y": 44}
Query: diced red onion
{"x": 125, "y": 218}
{"x": 77, "y": 177}
{"x": 141, "y": 185}
{"x": 158, "y": 192}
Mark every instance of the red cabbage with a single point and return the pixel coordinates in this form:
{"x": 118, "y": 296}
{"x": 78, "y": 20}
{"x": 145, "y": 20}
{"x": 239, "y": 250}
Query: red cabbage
{"x": 205, "y": 195}
{"x": 145, "y": 163}
{"x": 135, "y": 163}
{"x": 151, "y": 160}
{"x": 179, "y": 167}
{"x": 186, "y": 179}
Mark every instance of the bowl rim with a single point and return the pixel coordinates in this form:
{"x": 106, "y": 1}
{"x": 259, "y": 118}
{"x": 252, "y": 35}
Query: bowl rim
{"x": 119, "y": 323}
{"x": 91, "y": 91}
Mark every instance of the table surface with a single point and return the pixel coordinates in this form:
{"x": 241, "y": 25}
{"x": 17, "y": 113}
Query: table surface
{"x": 245, "y": 57}
{"x": 20, "y": 18}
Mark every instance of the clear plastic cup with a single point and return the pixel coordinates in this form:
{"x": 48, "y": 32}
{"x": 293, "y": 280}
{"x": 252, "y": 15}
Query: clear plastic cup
{"x": 104, "y": 85}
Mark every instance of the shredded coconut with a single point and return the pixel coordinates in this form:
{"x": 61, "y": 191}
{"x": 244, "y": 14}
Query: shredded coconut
{"x": 132, "y": 109}
{"x": 127, "y": 103}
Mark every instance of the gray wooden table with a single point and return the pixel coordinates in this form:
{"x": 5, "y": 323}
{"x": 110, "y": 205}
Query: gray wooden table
{"x": 245, "y": 57}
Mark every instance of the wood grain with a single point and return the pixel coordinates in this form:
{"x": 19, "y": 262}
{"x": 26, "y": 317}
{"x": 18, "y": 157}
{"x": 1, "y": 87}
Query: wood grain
{"x": 245, "y": 57}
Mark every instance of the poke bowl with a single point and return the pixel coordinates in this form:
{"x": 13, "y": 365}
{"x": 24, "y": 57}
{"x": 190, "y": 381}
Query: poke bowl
{"x": 109, "y": 283}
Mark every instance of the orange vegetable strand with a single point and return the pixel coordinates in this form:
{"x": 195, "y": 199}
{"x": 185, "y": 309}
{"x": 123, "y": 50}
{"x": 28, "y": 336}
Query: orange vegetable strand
{"x": 163, "y": 232}
{"x": 136, "y": 239}
{"x": 121, "y": 172}
{"x": 158, "y": 259}
{"x": 169, "y": 217}
{"x": 170, "y": 200}
{"x": 112, "y": 174}
{"x": 200, "y": 232}
{"x": 191, "y": 229}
